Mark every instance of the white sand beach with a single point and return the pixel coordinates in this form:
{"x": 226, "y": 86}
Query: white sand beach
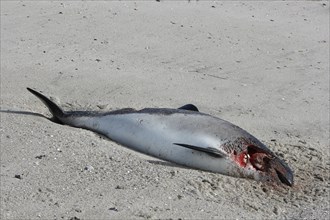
{"x": 263, "y": 66}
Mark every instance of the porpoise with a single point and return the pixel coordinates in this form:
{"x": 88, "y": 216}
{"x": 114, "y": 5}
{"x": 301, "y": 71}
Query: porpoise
{"x": 183, "y": 136}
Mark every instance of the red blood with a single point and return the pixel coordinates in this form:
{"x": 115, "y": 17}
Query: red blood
{"x": 241, "y": 159}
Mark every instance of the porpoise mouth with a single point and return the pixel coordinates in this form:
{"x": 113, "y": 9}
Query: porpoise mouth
{"x": 269, "y": 165}
{"x": 283, "y": 172}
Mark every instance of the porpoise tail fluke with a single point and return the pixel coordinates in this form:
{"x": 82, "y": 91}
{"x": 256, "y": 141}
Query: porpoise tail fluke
{"x": 56, "y": 111}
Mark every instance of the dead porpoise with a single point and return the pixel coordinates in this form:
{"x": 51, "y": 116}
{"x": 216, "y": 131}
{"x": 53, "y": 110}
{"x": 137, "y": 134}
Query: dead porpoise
{"x": 183, "y": 136}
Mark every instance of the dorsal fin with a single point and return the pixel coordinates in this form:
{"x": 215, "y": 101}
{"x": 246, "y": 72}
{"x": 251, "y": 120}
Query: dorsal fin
{"x": 189, "y": 107}
{"x": 209, "y": 150}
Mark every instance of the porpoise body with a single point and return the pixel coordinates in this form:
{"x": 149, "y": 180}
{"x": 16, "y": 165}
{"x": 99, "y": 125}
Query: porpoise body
{"x": 183, "y": 136}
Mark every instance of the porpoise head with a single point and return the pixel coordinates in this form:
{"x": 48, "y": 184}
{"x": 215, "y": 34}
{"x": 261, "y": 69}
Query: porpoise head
{"x": 262, "y": 164}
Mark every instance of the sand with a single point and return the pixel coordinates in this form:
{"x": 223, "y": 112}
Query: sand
{"x": 261, "y": 65}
